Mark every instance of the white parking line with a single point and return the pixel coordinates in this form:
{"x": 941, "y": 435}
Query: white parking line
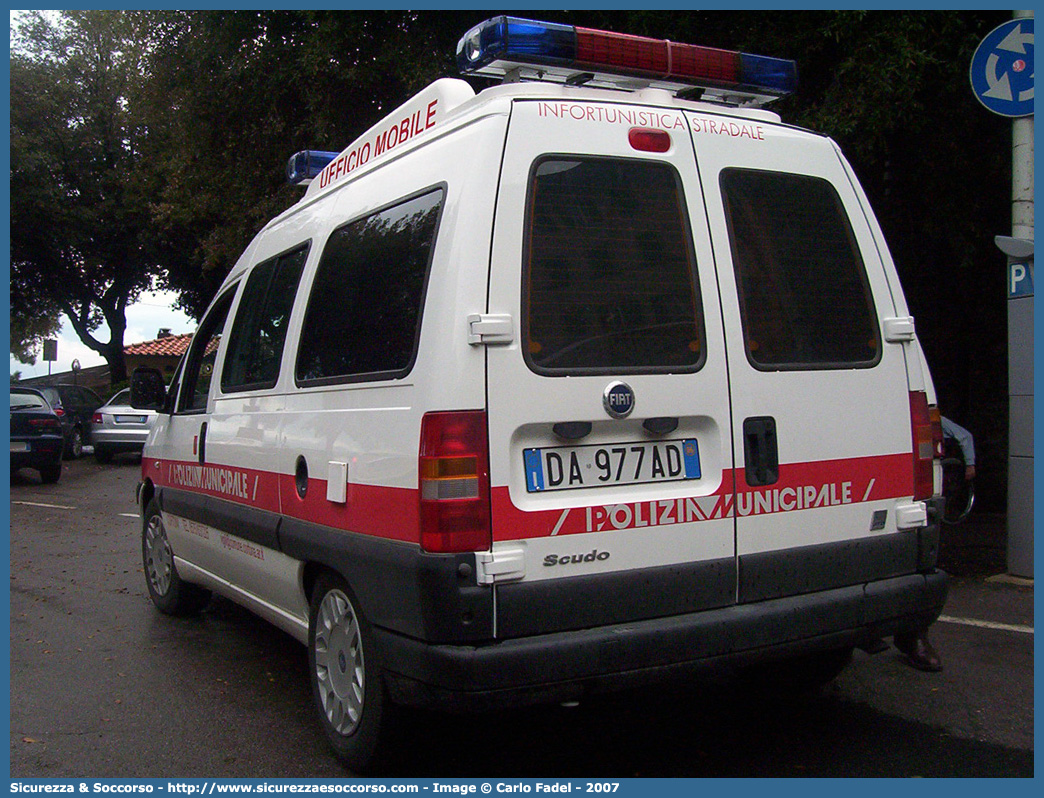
{"x": 128, "y": 515}
{"x": 1004, "y": 627}
{"x": 49, "y": 506}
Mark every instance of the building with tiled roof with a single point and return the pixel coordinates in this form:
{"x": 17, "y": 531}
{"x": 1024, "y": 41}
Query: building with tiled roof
{"x": 163, "y": 353}
{"x": 164, "y": 346}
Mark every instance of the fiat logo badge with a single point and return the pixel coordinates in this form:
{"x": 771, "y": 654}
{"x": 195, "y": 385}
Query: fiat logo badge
{"x": 618, "y": 399}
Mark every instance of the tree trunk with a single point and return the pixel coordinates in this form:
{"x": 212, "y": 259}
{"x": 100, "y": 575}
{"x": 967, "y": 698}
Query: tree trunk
{"x": 113, "y": 354}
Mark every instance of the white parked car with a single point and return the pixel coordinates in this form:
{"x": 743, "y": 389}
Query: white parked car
{"x": 117, "y": 427}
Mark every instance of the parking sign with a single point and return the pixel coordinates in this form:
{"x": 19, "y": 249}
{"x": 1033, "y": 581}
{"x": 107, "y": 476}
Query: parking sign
{"x": 1020, "y": 279}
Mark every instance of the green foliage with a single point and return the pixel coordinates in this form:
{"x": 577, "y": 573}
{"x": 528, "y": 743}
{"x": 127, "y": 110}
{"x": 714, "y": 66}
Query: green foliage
{"x": 30, "y": 326}
{"x": 233, "y": 95}
{"x": 79, "y": 219}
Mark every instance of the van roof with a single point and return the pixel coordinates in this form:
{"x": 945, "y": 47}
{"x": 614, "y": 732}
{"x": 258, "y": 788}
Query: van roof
{"x": 446, "y": 98}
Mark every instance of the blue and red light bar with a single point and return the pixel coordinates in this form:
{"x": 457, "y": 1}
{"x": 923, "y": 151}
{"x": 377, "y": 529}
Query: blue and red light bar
{"x": 307, "y": 164}
{"x": 508, "y": 47}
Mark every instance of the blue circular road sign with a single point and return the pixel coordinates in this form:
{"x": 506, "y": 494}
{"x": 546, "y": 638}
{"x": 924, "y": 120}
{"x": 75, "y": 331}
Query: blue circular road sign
{"x": 1002, "y": 69}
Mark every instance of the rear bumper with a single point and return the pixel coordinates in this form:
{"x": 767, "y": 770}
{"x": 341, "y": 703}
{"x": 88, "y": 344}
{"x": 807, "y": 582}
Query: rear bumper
{"x": 566, "y": 665}
{"x": 42, "y": 452}
{"x": 123, "y": 440}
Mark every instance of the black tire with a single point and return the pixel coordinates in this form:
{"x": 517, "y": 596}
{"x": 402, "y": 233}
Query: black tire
{"x": 169, "y": 592}
{"x": 49, "y": 475}
{"x": 345, "y": 672}
{"x": 74, "y": 445}
{"x": 103, "y": 454}
{"x": 797, "y": 675}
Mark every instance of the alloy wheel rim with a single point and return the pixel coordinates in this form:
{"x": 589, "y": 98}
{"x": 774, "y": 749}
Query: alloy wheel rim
{"x": 339, "y": 666}
{"x": 159, "y": 561}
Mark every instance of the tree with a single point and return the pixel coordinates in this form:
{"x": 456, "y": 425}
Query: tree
{"x": 79, "y": 210}
{"x": 233, "y": 94}
{"x": 30, "y": 327}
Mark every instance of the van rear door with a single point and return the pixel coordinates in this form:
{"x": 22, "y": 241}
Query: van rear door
{"x": 821, "y": 407}
{"x": 610, "y": 450}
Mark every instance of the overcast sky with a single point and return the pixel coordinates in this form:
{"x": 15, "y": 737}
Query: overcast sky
{"x": 144, "y": 320}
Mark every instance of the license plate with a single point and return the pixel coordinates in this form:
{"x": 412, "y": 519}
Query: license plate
{"x": 19, "y": 446}
{"x": 130, "y": 419}
{"x": 573, "y": 467}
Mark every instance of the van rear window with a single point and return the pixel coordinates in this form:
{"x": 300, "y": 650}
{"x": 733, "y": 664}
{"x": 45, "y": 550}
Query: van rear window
{"x": 609, "y": 284}
{"x": 364, "y": 311}
{"x": 804, "y": 296}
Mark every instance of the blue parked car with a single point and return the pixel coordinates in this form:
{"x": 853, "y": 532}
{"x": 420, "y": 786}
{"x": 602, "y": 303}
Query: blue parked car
{"x": 37, "y": 440}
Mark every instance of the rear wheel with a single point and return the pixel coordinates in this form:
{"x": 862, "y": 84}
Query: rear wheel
{"x": 169, "y": 593}
{"x": 345, "y": 670}
{"x": 74, "y": 446}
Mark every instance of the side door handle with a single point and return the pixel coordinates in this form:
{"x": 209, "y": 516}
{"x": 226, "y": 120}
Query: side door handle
{"x": 203, "y": 444}
{"x": 760, "y": 450}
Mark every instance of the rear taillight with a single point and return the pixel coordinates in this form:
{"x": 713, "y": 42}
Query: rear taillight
{"x": 454, "y": 482}
{"x": 45, "y": 424}
{"x": 937, "y": 431}
{"x": 923, "y": 445}
{"x": 58, "y": 411}
{"x": 96, "y": 418}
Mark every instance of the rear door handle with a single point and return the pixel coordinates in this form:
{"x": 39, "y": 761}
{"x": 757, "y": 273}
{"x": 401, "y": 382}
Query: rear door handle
{"x": 760, "y": 451}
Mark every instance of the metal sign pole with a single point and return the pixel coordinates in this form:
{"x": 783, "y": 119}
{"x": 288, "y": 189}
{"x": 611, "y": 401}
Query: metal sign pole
{"x": 1020, "y": 351}
{"x": 1002, "y": 78}
{"x": 1020, "y": 403}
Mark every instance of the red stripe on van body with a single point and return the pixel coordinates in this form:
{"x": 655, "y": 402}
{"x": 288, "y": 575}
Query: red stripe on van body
{"x": 827, "y": 483}
{"x": 801, "y": 486}
{"x": 245, "y": 486}
{"x": 892, "y": 476}
{"x": 394, "y": 513}
{"x": 383, "y": 512}
{"x": 390, "y": 513}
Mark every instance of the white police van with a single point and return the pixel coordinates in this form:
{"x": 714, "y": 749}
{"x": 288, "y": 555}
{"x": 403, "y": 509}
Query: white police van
{"x": 599, "y": 376}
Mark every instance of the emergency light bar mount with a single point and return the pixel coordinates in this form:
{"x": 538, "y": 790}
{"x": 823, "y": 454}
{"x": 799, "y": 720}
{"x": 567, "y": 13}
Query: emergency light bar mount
{"x": 516, "y": 49}
{"x": 305, "y": 165}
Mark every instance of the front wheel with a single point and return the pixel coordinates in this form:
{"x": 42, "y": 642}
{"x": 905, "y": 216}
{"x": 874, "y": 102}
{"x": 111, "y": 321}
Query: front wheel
{"x": 345, "y": 671}
{"x": 169, "y": 593}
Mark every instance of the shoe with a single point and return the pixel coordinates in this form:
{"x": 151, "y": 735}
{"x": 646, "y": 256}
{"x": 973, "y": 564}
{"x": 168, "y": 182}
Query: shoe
{"x": 919, "y": 653}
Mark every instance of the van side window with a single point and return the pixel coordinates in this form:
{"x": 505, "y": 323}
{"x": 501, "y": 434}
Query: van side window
{"x": 255, "y": 345}
{"x": 364, "y": 311}
{"x": 804, "y": 297}
{"x": 199, "y": 361}
{"x": 609, "y": 282}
